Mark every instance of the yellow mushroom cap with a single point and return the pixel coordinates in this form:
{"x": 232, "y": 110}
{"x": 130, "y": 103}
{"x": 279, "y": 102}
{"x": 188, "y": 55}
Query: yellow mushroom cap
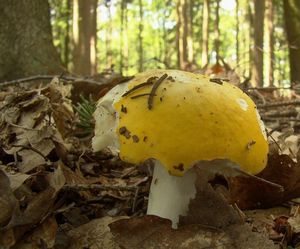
{"x": 191, "y": 119}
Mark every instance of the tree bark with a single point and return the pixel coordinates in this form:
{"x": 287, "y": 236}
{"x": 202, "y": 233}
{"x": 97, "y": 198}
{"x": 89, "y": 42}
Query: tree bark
{"x": 84, "y": 36}
{"x": 122, "y": 7}
{"x": 205, "y": 32}
{"x": 190, "y": 39}
{"x": 182, "y": 33}
{"x": 67, "y": 37}
{"x": 270, "y": 42}
{"x": 26, "y": 46}
{"x": 140, "y": 37}
{"x": 292, "y": 20}
{"x": 257, "y": 50}
{"x": 237, "y": 29}
{"x": 217, "y": 32}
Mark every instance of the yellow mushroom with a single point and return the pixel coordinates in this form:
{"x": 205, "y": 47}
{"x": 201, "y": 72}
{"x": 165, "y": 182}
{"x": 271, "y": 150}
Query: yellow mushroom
{"x": 179, "y": 118}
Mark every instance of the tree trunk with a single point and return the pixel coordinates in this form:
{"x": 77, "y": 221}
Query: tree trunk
{"x": 270, "y": 41}
{"x": 292, "y": 20}
{"x": 140, "y": 37}
{"x": 237, "y": 29}
{"x": 67, "y": 37}
{"x": 217, "y": 32}
{"x": 205, "y": 32}
{"x": 122, "y": 6}
{"x": 182, "y": 33}
{"x": 84, "y": 36}
{"x": 108, "y": 35}
{"x": 190, "y": 44}
{"x": 257, "y": 51}
{"x": 26, "y": 46}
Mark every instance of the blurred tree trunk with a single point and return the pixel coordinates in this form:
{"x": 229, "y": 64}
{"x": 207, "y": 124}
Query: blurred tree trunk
{"x": 205, "y": 32}
{"x": 122, "y": 6}
{"x": 217, "y": 31}
{"x": 190, "y": 32}
{"x": 126, "y": 39}
{"x": 237, "y": 29}
{"x": 258, "y": 36}
{"x": 84, "y": 37}
{"x": 270, "y": 42}
{"x": 182, "y": 33}
{"x": 166, "y": 57}
{"x": 292, "y": 20}
{"x": 140, "y": 37}
{"x": 26, "y": 46}
{"x": 108, "y": 34}
{"x": 67, "y": 37}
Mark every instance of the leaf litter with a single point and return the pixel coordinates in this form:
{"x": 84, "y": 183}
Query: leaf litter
{"x": 56, "y": 193}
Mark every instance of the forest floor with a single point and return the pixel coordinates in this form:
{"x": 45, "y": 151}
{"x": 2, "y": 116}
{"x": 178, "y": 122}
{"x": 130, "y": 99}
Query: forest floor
{"x": 55, "y": 192}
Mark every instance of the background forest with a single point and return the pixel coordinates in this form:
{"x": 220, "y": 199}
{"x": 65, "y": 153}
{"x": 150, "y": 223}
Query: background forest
{"x": 257, "y": 39}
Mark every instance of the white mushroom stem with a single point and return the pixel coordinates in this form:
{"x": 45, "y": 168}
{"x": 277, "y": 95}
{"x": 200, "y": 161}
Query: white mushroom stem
{"x": 170, "y": 195}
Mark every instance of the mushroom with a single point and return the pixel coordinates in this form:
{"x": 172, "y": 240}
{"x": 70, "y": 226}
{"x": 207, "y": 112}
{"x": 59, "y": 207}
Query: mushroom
{"x": 177, "y": 119}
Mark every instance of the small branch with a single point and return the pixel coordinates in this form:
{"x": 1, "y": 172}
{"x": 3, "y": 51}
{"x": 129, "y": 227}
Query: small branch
{"x": 153, "y": 90}
{"x": 47, "y": 77}
{"x": 147, "y": 83}
{"x": 136, "y": 195}
{"x": 282, "y": 103}
{"x": 84, "y": 187}
{"x": 269, "y": 88}
{"x": 140, "y": 95}
{"x": 291, "y": 113}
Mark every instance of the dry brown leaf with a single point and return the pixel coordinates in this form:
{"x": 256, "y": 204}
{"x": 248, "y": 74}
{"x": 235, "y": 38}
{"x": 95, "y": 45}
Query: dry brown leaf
{"x": 43, "y": 236}
{"x": 17, "y": 179}
{"x": 94, "y": 235}
{"x": 208, "y": 207}
{"x": 154, "y": 232}
{"x": 8, "y": 202}
{"x": 57, "y": 179}
{"x": 250, "y": 193}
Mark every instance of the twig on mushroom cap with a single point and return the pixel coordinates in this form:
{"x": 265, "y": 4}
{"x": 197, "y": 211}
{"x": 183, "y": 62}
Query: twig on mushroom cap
{"x": 140, "y": 95}
{"x": 149, "y": 81}
{"x": 154, "y": 88}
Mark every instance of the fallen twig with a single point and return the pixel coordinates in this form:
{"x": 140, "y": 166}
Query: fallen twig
{"x": 153, "y": 90}
{"x": 47, "y": 77}
{"x": 282, "y": 103}
{"x": 83, "y": 187}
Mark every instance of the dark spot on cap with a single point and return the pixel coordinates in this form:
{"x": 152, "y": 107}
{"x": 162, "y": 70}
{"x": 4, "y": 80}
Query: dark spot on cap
{"x": 123, "y": 131}
{"x": 198, "y": 89}
{"x": 170, "y": 78}
{"x": 135, "y": 139}
{"x": 217, "y": 81}
{"x": 211, "y": 113}
{"x": 123, "y": 109}
{"x": 145, "y": 139}
{"x": 179, "y": 167}
{"x": 250, "y": 144}
{"x": 160, "y": 99}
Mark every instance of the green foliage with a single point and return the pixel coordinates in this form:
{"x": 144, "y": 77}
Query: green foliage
{"x": 85, "y": 110}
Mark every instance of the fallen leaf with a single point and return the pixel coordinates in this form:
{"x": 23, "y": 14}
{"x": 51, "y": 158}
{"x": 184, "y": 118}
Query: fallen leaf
{"x": 154, "y": 232}
{"x": 208, "y": 207}
{"x": 8, "y": 202}
{"x": 94, "y": 235}
{"x": 17, "y": 179}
